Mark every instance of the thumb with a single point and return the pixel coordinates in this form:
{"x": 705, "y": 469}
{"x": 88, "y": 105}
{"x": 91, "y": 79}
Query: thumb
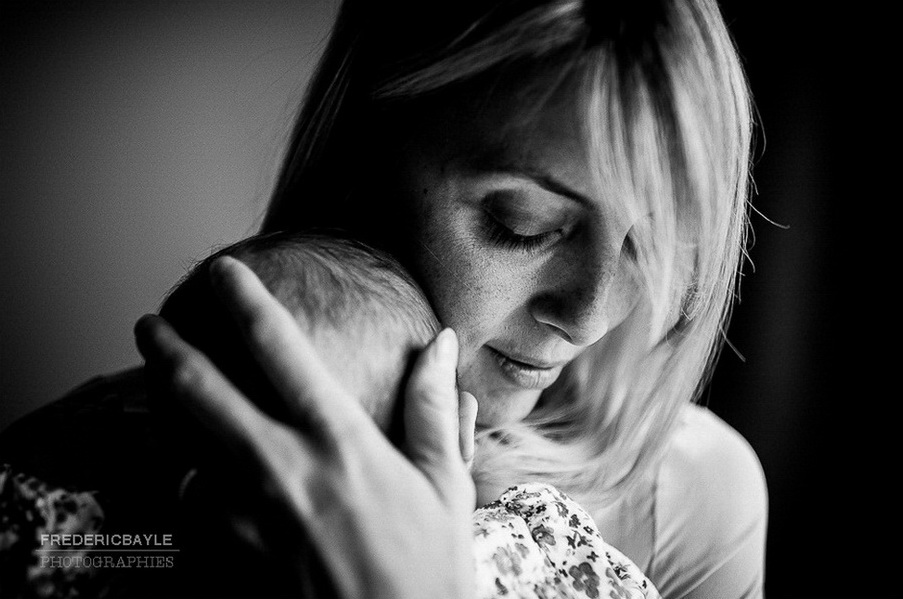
{"x": 431, "y": 412}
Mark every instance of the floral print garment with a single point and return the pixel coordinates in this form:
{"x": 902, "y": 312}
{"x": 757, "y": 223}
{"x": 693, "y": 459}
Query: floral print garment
{"x": 29, "y": 508}
{"x": 536, "y": 542}
{"x": 533, "y": 542}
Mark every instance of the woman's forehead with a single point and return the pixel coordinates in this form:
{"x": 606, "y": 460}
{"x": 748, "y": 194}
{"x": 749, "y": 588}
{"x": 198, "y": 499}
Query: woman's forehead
{"x": 541, "y": 126}
{"x": 508, "y": 126}
{"x": 544, "y": 138}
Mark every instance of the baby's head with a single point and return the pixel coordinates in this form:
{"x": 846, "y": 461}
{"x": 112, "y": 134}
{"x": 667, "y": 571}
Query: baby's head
{"x": 363, "y": 313}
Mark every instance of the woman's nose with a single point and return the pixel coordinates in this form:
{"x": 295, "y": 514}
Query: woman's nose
{"x": 577, "y": 299}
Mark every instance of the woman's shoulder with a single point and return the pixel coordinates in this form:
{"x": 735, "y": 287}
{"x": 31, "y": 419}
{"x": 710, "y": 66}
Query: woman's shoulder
{"x": 711, "y": 505}
{"x": 709, "y": 458}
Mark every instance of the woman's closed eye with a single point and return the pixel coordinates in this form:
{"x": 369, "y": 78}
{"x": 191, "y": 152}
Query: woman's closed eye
{"x": 510, "y": 224}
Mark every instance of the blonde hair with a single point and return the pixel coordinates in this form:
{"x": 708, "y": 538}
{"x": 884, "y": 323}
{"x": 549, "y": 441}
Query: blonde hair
{"x": 668, "y": 120}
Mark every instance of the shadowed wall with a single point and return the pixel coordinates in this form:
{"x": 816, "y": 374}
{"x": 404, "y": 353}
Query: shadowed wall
{"x": 135, "y": 136}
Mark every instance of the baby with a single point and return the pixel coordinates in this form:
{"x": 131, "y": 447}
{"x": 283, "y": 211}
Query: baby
{"x": 364, "y": 314}
{"x": 368, "y": 318}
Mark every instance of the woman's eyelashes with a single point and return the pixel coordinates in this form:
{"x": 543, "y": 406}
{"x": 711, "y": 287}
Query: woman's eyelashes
{"x": 511, "y": 225}
{"x": 500, "y": 235}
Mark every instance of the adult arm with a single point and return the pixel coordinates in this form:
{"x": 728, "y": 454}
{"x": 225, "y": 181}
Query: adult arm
{"x": 384, "y": 523}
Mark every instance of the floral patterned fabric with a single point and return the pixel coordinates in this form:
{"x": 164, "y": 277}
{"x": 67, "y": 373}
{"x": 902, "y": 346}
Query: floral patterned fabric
{"x": 533, "y": 542}
{"x": 29, "y": 508}
{"x": 536, "y": 542}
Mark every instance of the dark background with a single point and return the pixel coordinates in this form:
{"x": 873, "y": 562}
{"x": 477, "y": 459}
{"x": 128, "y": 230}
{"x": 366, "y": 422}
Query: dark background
{"x": 819, "y": 319}
{"x": 136, "y": 136}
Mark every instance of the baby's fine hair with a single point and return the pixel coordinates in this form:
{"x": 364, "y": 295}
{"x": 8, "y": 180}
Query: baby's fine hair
{"x": 338, "y": 289}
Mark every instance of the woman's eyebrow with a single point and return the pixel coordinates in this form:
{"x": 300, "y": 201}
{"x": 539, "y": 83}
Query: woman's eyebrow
{"x": 550, "y": 183}
{"x": 493, "y": 162}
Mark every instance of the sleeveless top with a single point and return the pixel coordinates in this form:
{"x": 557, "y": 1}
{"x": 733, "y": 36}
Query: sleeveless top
{"x": 695, "y": 526}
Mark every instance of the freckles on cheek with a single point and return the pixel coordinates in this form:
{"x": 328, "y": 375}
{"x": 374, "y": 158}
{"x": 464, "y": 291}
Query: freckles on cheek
{"x": 469, "y": 295}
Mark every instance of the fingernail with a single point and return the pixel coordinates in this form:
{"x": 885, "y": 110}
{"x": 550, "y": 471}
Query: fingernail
{"x": 144, "y": 332}
{"x": 217, "y": 271}
{"x": 143, "y": 323}
{"x": 447, "y": 347}
{"x": 144, "y": 326}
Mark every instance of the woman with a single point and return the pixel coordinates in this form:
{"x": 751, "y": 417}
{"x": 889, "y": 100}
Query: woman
{"x": 568, "y": 181}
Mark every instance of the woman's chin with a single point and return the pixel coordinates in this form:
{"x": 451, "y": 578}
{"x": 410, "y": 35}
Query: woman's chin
{"x": 504, "y": 407}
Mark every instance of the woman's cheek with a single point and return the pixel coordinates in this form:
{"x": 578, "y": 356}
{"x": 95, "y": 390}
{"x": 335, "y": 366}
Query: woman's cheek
{"x": 475, "y": 288}
{"x": 471, "y": 295}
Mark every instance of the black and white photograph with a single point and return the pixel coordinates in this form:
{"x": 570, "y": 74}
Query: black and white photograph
{"x": 474, "y": 299}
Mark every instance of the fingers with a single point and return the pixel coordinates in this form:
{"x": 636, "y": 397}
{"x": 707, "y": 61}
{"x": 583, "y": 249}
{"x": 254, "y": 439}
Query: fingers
{"x": 269, "y": 449}
{"x": 431, "y": 417}
{"x": 202, "y": 389}
{"x": 431, "y": 402}
{"x": 311, "y": 395}
{"x": 467, "y": 424}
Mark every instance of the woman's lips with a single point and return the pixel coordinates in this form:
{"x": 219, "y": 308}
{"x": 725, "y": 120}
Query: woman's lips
{"x": 525, "y": 372}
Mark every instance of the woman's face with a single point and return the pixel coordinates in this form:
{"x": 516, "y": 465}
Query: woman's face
{"x": 518, "y": 251}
